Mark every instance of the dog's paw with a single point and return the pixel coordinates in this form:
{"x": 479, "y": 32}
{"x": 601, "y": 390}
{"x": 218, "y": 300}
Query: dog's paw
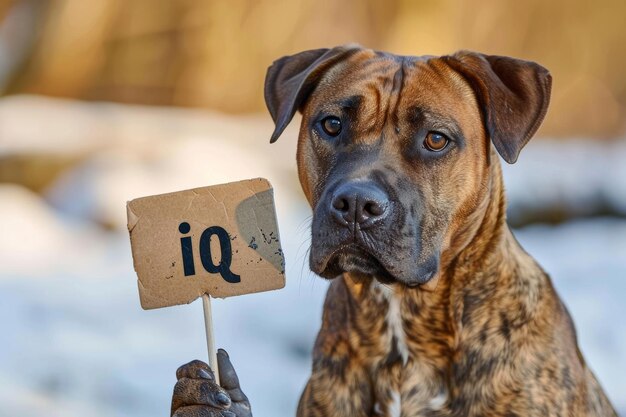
{"x": 196, "y": 393}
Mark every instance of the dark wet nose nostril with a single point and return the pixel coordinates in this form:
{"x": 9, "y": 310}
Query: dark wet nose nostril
{"x": 373, "y": 208}
{"x": 340, "y": 204}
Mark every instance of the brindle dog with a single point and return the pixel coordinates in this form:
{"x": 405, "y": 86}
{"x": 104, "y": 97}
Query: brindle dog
{"x": 434, "y": 308}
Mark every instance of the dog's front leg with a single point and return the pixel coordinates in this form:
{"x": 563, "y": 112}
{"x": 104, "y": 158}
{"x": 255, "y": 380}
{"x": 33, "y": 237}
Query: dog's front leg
{"x": 340, "y": 383}
{"x": 337, "y": 388}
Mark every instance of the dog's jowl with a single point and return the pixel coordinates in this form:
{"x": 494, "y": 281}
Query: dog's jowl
{"x": 434, "y": 308}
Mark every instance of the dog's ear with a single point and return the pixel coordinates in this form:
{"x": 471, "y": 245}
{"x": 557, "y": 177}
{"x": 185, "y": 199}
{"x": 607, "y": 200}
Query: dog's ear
{"x": 513, "y": 95}
{"x": 290, "y": 80}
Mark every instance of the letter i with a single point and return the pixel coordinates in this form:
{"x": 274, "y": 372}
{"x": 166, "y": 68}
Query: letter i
{"x": 186, "y": 249}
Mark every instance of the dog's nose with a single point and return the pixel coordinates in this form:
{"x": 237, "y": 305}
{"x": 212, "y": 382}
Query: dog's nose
{"x": 359, "y": 202}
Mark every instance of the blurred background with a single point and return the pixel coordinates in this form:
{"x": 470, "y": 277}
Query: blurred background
{"x": 102, "y": 101}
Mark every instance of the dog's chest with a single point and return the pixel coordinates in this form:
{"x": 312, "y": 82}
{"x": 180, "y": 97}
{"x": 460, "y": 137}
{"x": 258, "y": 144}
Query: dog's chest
{"x": 415, "y": 395}
{"x": 406, "y": 382}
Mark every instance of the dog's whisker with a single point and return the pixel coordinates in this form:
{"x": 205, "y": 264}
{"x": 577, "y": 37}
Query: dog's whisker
{"x": 306, "y": 223}
{"x": 302, "y": 266}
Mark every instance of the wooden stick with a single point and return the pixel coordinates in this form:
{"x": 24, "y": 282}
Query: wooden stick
{"x": 210, "y": 338}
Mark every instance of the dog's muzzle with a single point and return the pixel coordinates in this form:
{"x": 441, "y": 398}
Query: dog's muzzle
{"x": 350, "y": 221}
{"x": 358, "y": 228}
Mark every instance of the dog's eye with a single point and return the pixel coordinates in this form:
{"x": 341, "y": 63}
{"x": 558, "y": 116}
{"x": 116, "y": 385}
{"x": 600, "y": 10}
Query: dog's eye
{"x": 331, "y": 126}
{"x": 435, "y": 142}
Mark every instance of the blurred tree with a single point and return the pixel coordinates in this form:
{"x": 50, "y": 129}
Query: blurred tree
{"x": 214, "y": 54}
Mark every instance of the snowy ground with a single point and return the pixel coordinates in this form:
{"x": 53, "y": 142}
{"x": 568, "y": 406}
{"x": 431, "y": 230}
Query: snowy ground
{"x": 76, "y": 342}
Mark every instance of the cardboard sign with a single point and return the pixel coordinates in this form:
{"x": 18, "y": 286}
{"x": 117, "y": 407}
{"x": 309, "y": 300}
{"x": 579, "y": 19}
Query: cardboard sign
{"x": 221, "y": 240}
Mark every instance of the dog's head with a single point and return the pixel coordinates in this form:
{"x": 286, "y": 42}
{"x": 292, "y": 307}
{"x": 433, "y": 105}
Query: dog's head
{"x": 394, "y": 152}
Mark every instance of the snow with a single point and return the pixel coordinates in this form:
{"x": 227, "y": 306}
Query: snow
{"x": 582, "y": 177}
{"x": 75, "y": 340}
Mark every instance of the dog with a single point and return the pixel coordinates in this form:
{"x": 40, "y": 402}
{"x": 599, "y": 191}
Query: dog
{"x": 434, "y": 308}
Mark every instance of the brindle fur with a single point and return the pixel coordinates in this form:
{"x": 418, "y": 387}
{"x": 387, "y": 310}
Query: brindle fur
{"x": 488, "y": 335}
